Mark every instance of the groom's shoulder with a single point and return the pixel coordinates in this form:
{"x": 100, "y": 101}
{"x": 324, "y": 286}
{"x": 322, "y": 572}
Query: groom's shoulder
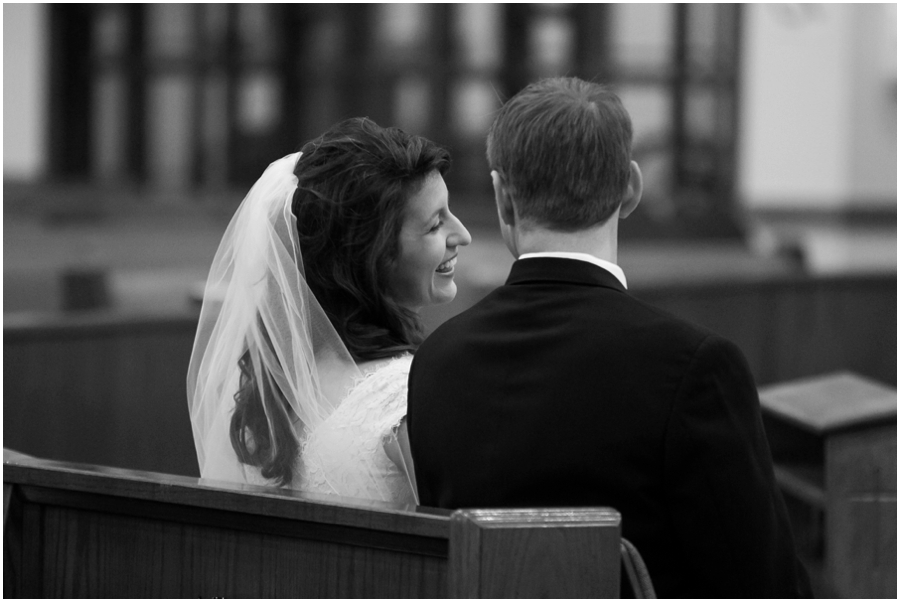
{"x": 457, "y": 328}
{"x": 601, "y": 311}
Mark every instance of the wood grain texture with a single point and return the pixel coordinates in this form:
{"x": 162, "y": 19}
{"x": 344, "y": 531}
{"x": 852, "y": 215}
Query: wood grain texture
{"x": 90, "y": 554}
{"x": 834, "y": 443}
{"x": 795, "y": 326}
{"x": 75, "y": 484}
{"x": 861, "y": 515}
{"x": 12, "y": 542}
{"x": 831, "y": 402}
{"x": 498, "y": 554}
{"x": 82, "y": 531}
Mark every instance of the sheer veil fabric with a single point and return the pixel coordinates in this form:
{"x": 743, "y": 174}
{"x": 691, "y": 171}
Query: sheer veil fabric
{"x": 257, "y": 302}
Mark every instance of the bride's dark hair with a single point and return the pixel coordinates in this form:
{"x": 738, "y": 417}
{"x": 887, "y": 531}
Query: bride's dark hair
{"x": 353, "y": 185}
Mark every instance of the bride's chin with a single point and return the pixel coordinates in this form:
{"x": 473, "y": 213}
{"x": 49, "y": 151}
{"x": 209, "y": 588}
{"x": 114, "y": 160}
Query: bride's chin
{"x": 444, "y": 294}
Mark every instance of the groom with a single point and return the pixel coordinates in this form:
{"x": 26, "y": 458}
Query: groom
{"x": 561, "y": 389}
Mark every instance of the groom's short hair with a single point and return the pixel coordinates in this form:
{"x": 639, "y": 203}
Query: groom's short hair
{"x": 563, "y": 148}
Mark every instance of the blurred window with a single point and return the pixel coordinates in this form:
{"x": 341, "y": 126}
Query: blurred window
{"x": 478, "y": 36}
{"x": 474, "y": 104}
{"x": 170, "y": 104}
{"x": 642, "y": 37}
{"x": 170, "y": 30}
{"x": 109, "y": 94}
{"x": 109, "y": 106}
{"x": 551, "y": 42}
{"x": 401, "y": 30}
{"x": 412, "y": 101}
{"x": 188, "y": 95}
{"x": 110, "y": 30}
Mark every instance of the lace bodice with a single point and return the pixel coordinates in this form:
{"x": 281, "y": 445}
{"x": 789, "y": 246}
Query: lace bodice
{"x": 345, "y": 454}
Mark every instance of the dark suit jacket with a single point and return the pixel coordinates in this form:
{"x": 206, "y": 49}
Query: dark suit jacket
{"x": 560, "y": 389}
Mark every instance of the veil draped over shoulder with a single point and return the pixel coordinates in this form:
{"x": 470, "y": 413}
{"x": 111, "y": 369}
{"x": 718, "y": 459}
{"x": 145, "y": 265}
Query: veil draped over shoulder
{"x": 258, "y": 307}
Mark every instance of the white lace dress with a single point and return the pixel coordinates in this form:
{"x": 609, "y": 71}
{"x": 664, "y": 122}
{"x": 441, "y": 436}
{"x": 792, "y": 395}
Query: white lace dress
{"x": 345, "y": 455}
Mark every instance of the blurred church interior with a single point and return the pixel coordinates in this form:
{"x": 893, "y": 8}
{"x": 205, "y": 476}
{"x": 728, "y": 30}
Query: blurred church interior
{"x": 767, "y": 136}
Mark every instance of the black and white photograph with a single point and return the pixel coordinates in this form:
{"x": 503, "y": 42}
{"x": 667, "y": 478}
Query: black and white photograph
{"x": 467, "y": 300}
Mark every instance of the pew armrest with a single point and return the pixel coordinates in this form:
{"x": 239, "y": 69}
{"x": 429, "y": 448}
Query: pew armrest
{"x": 636, "y": 571}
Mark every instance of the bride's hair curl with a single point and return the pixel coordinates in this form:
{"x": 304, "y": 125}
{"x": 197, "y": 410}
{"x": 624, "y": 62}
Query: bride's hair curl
{"x": 353, "y": 184}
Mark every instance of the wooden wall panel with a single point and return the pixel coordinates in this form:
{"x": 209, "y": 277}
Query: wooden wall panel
{"x": 794, "y": 327}
{"x": 105, "y": 389}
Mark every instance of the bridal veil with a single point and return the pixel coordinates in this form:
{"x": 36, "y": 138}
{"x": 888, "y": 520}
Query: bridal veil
{"x": 258, "y": 307}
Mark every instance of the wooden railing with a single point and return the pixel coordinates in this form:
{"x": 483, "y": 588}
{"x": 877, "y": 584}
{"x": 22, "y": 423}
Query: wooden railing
{"x": 85, "y": 531}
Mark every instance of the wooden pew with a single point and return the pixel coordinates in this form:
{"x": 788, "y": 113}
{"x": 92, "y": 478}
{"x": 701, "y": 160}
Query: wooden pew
{"x": 87, "y": 531}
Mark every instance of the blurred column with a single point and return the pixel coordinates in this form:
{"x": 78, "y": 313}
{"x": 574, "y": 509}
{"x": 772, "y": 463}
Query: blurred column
{"x": 819, "y": 119}
{"x": 25, "y": 84}
{"x": 818, "y": 160}
{"x": 257, "y": 73}
{"x": 71, "y": 30}
{"x": 642, "y": 45}
{"x": 212, "y": 152}
{"x": 111, "y": 95}
{"x": 405, "y": 78}
{"x": 674, "y": 66}
{"x": 592, "y": 40}
{"x": 171, "y": 91}
{"x": 475, "y": 90}
{"x": 315, "y": 63}
{"x": 551, "y": 41}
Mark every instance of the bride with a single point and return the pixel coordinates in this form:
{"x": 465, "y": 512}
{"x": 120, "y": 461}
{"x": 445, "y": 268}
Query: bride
{"x": 309, "y": 319}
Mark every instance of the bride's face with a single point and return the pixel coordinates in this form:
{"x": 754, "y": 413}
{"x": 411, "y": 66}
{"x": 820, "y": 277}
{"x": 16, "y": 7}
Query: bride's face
{"x": 429, "y": 239}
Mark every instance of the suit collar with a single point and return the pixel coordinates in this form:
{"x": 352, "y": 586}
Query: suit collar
{"x": 606, "y": 265}
{"x": 553, "y": 269}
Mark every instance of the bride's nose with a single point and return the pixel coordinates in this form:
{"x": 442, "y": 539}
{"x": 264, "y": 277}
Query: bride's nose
{"x": 460, "y": 236}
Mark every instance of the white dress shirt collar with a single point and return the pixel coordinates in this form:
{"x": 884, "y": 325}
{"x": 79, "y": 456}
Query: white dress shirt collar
{"x": 606, "y": 265}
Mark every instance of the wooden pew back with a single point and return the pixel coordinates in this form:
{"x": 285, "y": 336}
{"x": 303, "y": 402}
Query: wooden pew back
{"x": 87, "y": 531}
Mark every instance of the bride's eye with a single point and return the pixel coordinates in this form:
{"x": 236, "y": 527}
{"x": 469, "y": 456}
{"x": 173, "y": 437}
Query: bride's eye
{"x": 436, "y": 227}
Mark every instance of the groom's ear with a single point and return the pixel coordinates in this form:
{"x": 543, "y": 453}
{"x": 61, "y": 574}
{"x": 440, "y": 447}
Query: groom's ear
{"x": 633, "y": 192}
{"x": 505, "y": 208}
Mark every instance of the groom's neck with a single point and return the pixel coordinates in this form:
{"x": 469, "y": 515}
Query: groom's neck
{"x": 600, "y": 241}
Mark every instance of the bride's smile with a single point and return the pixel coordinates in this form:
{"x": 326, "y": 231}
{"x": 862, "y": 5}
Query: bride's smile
{"x": 429, "y": 242}
{"x": 447, "y": 267}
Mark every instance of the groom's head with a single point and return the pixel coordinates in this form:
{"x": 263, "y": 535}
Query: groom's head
{"x": 562, "y": 152}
